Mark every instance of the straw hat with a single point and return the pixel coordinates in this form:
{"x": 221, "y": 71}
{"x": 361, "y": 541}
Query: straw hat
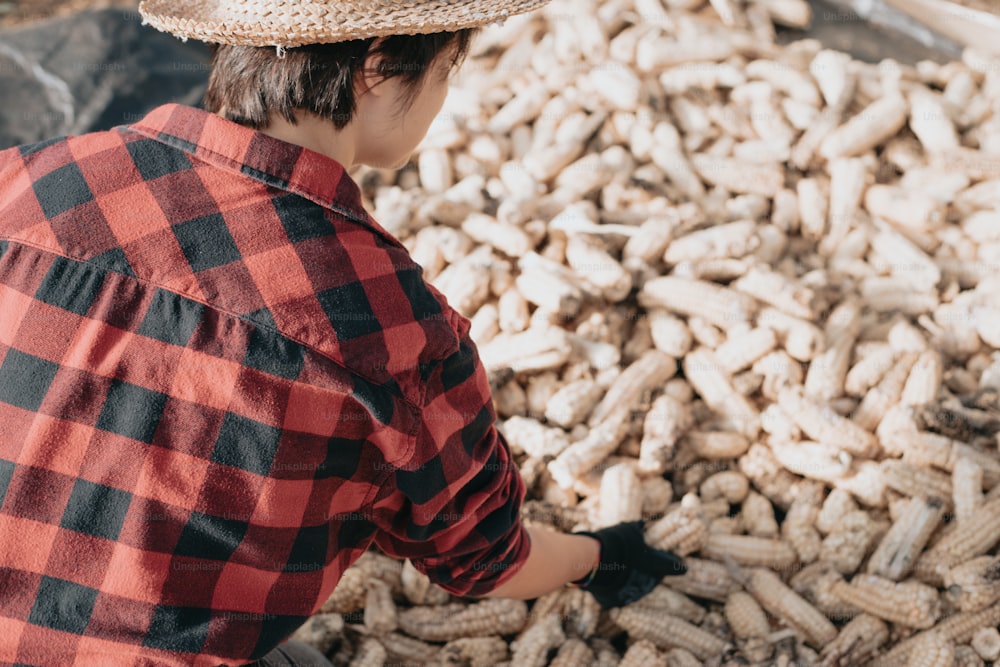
{"x": 289, "y": 23}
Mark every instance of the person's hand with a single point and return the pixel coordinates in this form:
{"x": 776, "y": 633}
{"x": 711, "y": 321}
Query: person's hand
{"x": 628, "y": 569}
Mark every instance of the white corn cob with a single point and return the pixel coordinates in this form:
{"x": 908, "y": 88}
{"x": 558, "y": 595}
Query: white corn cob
{"x": 826, "y": 426}
{"x": 768, "y": 476}
{"x": 799, "y": 526}
{"x": 454, "y": 621}
{"x": 536, "y": 349}
{"x": 620, "y": 496}
{"x": 418, "y": 589}
{"x": 908, "y": 603}
{"x": 670, "y": 334}
{"x": 885, "y": 394}
{"x": 741, "y": 176}
{"x": 801, "y": 339}
{"x": 967, "y": 488}
{"x": 836, "y": 505}
{"x": 745, "y": 617}
{"x": 704, "y": 579}
{"x": 403, "y": 648}
{"x": 473, "y": 651}
{"x": 975, "y": 584}
{"x": 856, "y": 641}
{"x": 651, "y": 370}
{"x": 729, "y": 484}
{"x": 778, "y": 290}
{"x": 681, "y": 530}
{"x": 717, "y": 444}
{"x": 757, "y": 516}
{"x": 581, "y": 613}
{"x": 811, "y": 459}
{"x": 850, "y": 541}
{"x": 924, "y": 382}
{"x": 531, "y": 648}
{"x": 573, "y": 402}
{"x": 582, "y": 456}
{"x": 704, "y": 373}
{"x": 573, "y": 653}
{"x": 321, "y": 631}
{"x": 740, "y": 352}
{"x": 371, "y": 653}
{"x": 986, "y": 643}
{"x": 914, "y": 480}
{"x": 666, "y": 421}
{"x": 902, "y": 544}
{"x": 534, "y": 438}
{"x": 666, "y": 599}
{"x": 666, "y": 631}
{"x": 749, "y": 550}
{"x": 870, "y": 127}
{"x": 730, "y": 240}
{"x": 779, "y": 371}
{"x": 643, "y": 653}
{"x": 778, "y": 599}
{"x": 722, "y": 306}
{"x": 869, "y": 370}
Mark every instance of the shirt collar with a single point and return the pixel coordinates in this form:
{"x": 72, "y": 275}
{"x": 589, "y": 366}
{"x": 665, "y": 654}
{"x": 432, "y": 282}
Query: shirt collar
{"x": 277, "y": 163}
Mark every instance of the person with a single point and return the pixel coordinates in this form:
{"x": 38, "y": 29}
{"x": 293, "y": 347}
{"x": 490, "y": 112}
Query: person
{"x": 221, "y": 380}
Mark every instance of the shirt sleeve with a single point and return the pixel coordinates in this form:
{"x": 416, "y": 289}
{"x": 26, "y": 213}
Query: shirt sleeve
{"x": 454, "y": 511}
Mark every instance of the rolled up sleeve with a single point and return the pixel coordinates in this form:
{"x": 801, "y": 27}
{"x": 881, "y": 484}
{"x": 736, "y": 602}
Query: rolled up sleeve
{"x": 454, "y": 510}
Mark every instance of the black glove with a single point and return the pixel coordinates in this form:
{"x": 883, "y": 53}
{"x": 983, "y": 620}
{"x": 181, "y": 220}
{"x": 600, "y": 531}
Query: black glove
{"x": 629, "y": 569}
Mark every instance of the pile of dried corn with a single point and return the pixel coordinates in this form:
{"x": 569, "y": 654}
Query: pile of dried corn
{"x": 746, "y": 291}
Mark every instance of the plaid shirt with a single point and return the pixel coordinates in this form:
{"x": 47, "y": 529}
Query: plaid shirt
{"x": 220, "y": 382}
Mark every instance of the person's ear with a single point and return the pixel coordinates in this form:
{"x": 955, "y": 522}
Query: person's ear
{"x": 369, "y": 79}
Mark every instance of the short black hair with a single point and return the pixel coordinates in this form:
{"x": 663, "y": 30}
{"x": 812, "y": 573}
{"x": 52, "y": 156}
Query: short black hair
{"x": 251, "y": 84}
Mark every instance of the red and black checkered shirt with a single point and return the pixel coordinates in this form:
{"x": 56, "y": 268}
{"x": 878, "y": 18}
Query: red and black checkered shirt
{"x": 220, "y": 381}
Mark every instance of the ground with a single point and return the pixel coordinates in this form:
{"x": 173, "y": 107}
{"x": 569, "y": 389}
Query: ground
{"x": 26, "y": 11}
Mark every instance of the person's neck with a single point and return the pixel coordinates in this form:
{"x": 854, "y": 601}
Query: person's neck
{"x": 317, "y": 135}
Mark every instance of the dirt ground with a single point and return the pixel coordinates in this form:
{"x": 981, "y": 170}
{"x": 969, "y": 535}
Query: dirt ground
{"x": 27, "y": 11}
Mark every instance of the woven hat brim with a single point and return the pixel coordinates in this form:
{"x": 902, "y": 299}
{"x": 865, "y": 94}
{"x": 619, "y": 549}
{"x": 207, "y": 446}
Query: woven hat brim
{"x": 289, "y": 24}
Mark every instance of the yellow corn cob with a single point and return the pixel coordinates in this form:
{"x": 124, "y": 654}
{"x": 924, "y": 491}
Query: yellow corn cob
{"x": 975, "y": 584}
{"x": 407, "y": 649}
{"x": 902, "y": 544}
{"x": 531, "y": 648}
{"x": 757, "y": 516}
{"x": 454, "y": 621}
{"x": 969, "y": 539}
{"x": 704, "y": 579}
{"x": 682, "y": 530}
{"x": 885, "y": 394}
{"x": 825, "y": 426}
{"x": 704, "y": 373}
{"x": 722, "y": 306}
{"x": 322, "y": 631}
{"x": 967, "y": 488}
{"x": 573, "y": 653}
{"x": 729, "y": 484}
{"x": 571, "y": 404}
{"x": 717, "y": 444}
{"x": 986, "y": 642}
{"x": 780, "y": 600}
{"x": 749, "y": 550}
{"x": 667, "y": 600}
{"x": 857, "y": 641}
{"x": 644, "y": 654}
{"x": 745, "y": 617}
{"x": 913, "y": 480}
{"x": 908, "y": 603}
{"x": 667, "y": 631}
{"x": 473, "y": 651}
{"x": 371, "y": 653}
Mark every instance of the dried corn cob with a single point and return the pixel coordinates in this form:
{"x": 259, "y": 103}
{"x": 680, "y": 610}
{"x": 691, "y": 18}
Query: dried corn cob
{"x": 322, "y": 632}
{"x": 534, "y": 438}
{"x": 620, "y": 496}
{"x": 531, "y": 648}
{"x": 745, "y": 617}
{"x": 682, "y": 530}
{"x": 571, "y": 404}
{"x": 749, "y": 550}
{"x": 729, "y": 484}
{"x": 799, "y": 525}
{"x": 572, "y": 654}
{"x": 856, "y": 642}
{"x": 666, "y": 420}
{"x": 967, "y": 489}
{"x": 780, "y": 600}
{"x": 643, "y": 653}
{"x": 582, "y": 456}
{"x": 646, "y": 373}
{"x": 836, "y": 505}
{"x": 902, "y": 544}
{"x": 665, "y": 599}
{"x": 454, "y": 621}
{"x": 885, "y": 394}
{"x": 705, "y": 579}
{"x": 850, "y": 541}
{"x": 986, "y": 642}
{"x": 666, "y": 631}
{"x": 707, "y": 377}
{"x": 908, "y": 603}
{"x": 472, "y": 652}
{"x": 380, "y": 610}
{"x": 975, "y": 584}
{"x": 825, "y": 426}
{"x": 719, "y": 305}
{"x": 757, "y": 516}
{"x": 371, "y": 653}
{"x": 403, "y": 648}
{"x": 968, "y": 540}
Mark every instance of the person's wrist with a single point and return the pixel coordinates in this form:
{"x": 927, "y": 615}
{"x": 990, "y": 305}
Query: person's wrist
{"x": 595, "y": 562}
